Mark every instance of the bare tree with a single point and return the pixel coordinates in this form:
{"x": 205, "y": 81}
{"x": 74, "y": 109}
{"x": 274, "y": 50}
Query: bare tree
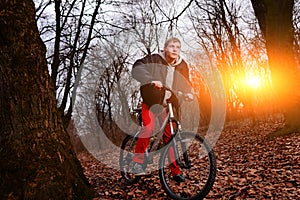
{"x": 275, "y": 19}
{"x": 296, "y": 23}
{"x": 37, "y": 160}
{"x": 218, "y": 33}
{"x": 78, "y": 23}
{"x": 116, "y": 91}
{"x": 70, "y": 34}
{"x": 230, "y": 39}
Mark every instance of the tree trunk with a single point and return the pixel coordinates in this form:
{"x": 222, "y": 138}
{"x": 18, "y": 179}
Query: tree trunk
{"x": 37, "y": 160}
{"x": 276, "y": 23}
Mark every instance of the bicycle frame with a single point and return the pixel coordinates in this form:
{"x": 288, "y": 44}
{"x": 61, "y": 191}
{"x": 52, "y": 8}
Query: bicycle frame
{"x": 170, "y": 118}
{"x": 197, "y": 182}
{"x": 173, "y": 140}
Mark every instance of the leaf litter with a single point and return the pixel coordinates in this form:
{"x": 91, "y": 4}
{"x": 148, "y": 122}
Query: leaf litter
{"x": 250, "y": 165}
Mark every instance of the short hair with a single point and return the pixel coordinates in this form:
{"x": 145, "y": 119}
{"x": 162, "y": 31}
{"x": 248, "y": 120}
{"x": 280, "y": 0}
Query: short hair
{"x": 172, "y": 39}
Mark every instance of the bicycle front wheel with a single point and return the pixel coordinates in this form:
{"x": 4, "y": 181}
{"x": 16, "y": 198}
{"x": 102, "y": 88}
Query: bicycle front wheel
{"x": 125, "y": 161}
{"x": 199, "y": 172}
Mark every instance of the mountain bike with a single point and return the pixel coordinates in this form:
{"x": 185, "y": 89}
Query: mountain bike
{"x": 192, "y": 153}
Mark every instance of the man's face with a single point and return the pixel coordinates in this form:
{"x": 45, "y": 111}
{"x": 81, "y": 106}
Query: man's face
{"x": 172, "y": 50}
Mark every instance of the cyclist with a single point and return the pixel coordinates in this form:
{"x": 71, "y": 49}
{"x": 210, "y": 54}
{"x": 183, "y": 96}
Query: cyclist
{"x": 166, "y": 68}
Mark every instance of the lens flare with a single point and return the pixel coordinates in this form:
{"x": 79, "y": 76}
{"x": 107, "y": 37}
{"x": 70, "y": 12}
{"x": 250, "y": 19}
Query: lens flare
{"x": 253, "y": 81}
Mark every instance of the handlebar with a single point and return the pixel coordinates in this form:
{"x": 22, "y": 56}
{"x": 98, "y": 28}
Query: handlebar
{"x": 178, "y": 94}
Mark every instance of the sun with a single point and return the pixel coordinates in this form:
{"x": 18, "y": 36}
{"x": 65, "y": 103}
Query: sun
{"x": 253, "y": 81}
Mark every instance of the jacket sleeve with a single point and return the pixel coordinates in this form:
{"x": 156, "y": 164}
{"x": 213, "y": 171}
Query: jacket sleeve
{"x": 141, "y": 70}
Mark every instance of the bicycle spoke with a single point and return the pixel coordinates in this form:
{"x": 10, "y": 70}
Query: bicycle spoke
{"x": 125, "y": 160}
{"x": 199, "y": 177}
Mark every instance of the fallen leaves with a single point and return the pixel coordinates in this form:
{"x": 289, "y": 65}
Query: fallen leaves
{"x": 250, "y": 166}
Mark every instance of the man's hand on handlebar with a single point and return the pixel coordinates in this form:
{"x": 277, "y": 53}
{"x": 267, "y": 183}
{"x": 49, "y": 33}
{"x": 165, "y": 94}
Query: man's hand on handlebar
{"x": 179, "y": 94}
{"x": 185, "y": 96}
{"x": 188, "y": 97}
{"x": 157, "y": 84}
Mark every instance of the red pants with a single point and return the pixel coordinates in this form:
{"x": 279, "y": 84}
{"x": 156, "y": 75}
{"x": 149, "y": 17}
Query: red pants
{"x": 148, "y": 119}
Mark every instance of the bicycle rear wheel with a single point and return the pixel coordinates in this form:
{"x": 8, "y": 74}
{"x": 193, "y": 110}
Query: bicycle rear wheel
{"x": 125, "y": 161}
{"x": 200, "y": 176}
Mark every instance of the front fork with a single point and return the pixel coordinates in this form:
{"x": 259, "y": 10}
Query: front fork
{"x": 187, "y": 163}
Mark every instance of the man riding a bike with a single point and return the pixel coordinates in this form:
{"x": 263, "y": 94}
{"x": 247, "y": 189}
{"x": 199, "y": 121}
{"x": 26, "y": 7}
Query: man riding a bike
{"x": 154, "y": 72}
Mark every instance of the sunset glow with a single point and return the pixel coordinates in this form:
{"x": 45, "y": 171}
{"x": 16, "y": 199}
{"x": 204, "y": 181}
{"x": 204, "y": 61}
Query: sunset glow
{"x": 253, "y": 81}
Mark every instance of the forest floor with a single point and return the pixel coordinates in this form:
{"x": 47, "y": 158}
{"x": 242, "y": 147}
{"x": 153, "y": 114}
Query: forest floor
{"x": 250, "y": 165}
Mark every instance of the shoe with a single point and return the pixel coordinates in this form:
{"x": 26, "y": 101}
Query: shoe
{"x": 138, "y": 170}
{"x": 179, "y": 178}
